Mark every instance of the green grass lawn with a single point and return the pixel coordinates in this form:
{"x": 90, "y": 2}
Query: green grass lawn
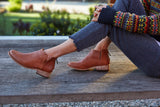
{"x": 9, "y": 18}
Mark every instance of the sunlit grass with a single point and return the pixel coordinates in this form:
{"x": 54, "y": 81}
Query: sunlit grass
{"x": 32, "y": 15}
{"x": 80, "y": 16}
{"x": 28, "y": 17}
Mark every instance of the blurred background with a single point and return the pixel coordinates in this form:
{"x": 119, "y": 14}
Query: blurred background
{"x": 45, "y": 17}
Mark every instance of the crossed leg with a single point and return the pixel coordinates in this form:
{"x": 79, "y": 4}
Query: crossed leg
{"x": 147, "y": 60}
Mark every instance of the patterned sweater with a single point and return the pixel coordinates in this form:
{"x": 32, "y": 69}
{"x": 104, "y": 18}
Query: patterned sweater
{"x": 149, "y": 24}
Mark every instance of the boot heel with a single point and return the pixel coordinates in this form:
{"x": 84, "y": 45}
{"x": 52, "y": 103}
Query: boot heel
{"x": 43, "y": 73}
{"x": 101, "y": 68}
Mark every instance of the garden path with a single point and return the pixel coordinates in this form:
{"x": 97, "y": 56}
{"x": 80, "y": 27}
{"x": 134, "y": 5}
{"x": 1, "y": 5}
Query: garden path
{"x": 72, "y": 7}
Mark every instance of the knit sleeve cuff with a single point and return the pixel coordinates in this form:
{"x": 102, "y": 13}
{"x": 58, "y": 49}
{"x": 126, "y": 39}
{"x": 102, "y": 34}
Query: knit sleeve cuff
{"x": 107, "y": 15}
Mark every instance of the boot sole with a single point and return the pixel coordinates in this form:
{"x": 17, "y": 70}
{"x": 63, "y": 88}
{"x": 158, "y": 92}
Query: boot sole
{"x": 39, "y": 72}
{"x": 43, "y": 73}
{"x": 98, "y": 68}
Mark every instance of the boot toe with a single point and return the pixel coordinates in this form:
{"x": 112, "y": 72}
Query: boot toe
{"x": 77, "y": 65}
{"x": 13, "y": 53}
{"x": 73, "y": 64}
{"x": 16, "y": 56}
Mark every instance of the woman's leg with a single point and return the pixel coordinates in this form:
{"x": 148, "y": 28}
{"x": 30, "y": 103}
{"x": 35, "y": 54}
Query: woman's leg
{"x": 141, "y": 49}
{"x": 43, "y": 60}
{"x": 62, "y": 49}
{"x": 97, "y": 58}
{"x": 103, "y": 44}
{"x": 94, "y": 32}
{"x": 89, "y": 35}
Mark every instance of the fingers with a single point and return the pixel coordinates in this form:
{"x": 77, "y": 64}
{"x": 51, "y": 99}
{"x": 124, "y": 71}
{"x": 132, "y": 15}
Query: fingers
{"x": 96, "y": 16}
{"x": 96, "y": 13}
{"x": 95, "y": 19}
{"x": 98, "y": 9}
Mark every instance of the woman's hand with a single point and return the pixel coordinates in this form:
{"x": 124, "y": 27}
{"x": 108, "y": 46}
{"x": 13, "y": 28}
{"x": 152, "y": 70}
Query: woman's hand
{"x": 97, "y": 12}
{"x": 96, "y": 15}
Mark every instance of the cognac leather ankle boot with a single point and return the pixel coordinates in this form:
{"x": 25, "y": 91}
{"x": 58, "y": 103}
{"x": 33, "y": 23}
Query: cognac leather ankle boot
{"x": 37, "y": 60}
{"x": 95, "y": 60}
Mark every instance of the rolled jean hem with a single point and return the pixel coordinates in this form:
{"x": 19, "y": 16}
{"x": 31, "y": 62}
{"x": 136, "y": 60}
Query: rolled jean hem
{"x": 89, "y": 35}
{"x": 75, "y": 43}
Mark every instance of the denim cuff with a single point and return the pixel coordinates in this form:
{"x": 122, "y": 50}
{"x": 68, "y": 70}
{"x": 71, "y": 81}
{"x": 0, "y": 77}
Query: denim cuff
{"x": 73, "y": 37}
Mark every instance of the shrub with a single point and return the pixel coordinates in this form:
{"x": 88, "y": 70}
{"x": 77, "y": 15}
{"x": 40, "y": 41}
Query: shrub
{"x": 2, "y": 21}
{"x": 16, "y": 1}
{"x": 21, "y": 27}
{"x": 14, "y": 8}
{"x": 15, "y": 5}
{"x": 91, "y": 11}
{"x": 41, "y": 29}
{"x": 57, "y": 23}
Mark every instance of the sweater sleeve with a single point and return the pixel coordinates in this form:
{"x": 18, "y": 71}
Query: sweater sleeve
{"x": 131, "y": 22}
{"x": 136, "y": 23}
{"x": 146, "y": 4}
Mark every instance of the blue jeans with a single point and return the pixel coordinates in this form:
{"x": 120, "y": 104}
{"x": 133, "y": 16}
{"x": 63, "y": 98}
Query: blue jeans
{"x": 141, "y": 49}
